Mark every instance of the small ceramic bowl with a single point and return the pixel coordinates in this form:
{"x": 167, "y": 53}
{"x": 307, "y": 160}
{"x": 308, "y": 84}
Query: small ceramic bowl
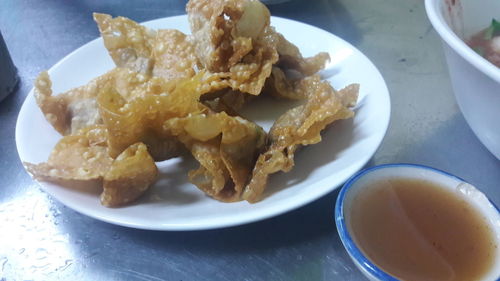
{"x": 363, "y": 180}
{"x": 475, "y": 81}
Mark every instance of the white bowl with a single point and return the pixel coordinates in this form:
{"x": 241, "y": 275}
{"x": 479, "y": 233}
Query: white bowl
{"x": 364, "y": 179}
{"x": 475, "y": 81}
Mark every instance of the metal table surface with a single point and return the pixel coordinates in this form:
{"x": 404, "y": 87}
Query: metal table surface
{"x": 40, "y": 239}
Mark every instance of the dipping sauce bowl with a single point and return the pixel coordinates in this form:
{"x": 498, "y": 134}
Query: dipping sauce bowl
{"x": 412, "y": 222}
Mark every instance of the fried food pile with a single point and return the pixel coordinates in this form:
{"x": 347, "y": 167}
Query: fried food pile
{"x": 173, "y": 94}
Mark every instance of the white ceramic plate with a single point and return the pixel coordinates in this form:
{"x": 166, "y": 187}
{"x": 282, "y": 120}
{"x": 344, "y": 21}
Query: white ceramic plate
{"x": 175, "y": 204}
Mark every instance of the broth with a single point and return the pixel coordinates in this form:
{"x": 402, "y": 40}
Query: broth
{"x": 417, "y": 230}
{"x": 487, "y": 43}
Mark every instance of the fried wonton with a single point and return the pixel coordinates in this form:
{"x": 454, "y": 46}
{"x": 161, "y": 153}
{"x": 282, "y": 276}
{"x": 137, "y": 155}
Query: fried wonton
{"x": 129, "y": 44}
{"x": 291, "y": 58}
{"x": 226, "y": 100}
{"x": 141, "y": 119}
{"x": 225, "y": 147}
{"x": 173, "y": 92}
{"x": 301, "y": 125}
{"x": 234, "y": 37}
{"x": 250, "y": 74}
{"x": 77, "y": 108}
{"x": 280, "y": 86}
{"x": 129, "y": 176}
{"x": 73, "y": 110}
{"x": 174, "y": 55}
{"x": 82, "y": 156}
{"x": 223, "y": 30}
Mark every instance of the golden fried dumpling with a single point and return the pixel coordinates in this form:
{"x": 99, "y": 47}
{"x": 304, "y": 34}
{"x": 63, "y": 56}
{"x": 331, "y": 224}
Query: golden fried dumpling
{"x": 130, "y": 84}
{"x": 227, "y": 100}
{"x": 280, "y": 86}
{"x": 81, "y": 157}
{"x": 223, "y": 30}
{"x": 300, "y": 126}
{"x": 84, "y": 158}
{"x": 141, "y": 118}
{"x": 171, "y": 92}
{"x": 174, "y": 55}
{"x": 73, "y": 110}
{"x": 241, "y": 143}
{"x": 250, "y": 74}
{"x": 129, "y": 176}
{"x": 226, "y": 148}
{"x": 77, "y": 108}
{"x": 291, "y": 58}
{"x": 129, "y": 44}
{"x": 234, "y": 37}
{"x": 212, "y": 176}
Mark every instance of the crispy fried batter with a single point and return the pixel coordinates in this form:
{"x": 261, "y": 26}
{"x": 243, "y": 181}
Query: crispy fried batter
{"x": 174, "y": 55}
{"x": 280, "y": 86}
{"x": 212, "y": 175}
{"x": 73, "y": 110}
{"x": 173, "y": 92}
{"x": 129, "y": 44}
{"x": 82, "y": 156}
{"x": 141, "y": 119}
{"x": 250, "y": 74}
{"x": 223, "y": 30}
{"x": 227, "y": 100}
{"x": 77, "y": 108}
{"x": 234, "y": 37}
{"x": 225, "y": 147}
{"x": 291, "y": 58}
{"x": 300, "y": 126}
{"x": 241, "y": 143}
{"x": 130, "y": 84}
{"x": 129, "y": 176}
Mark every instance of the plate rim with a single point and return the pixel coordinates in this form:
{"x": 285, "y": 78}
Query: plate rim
{"x": 286, "y": 205}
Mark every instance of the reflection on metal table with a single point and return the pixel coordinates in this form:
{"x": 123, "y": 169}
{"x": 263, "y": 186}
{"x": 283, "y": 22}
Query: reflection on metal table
{"x": 41, "y": 239}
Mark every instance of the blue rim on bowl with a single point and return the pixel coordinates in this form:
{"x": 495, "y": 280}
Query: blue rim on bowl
{"x": 346, "y": 238}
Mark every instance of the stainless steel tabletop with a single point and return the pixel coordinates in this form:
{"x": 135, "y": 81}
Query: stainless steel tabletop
{"x": 40, "y": 239}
